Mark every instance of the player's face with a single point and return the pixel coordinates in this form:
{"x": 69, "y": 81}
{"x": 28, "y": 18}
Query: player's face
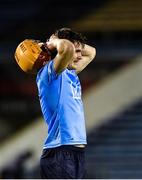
{"x": 77, "y": 56}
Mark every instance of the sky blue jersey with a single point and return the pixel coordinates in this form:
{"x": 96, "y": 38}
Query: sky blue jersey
{"x": 62, "y": 107}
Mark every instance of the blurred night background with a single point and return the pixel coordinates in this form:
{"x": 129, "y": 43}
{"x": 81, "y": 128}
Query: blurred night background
{"x": 112, "y": 85}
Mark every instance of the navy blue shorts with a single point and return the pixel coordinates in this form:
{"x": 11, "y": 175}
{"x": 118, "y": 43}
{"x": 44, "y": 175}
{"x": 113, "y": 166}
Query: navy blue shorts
{"x": 64, "y": 162}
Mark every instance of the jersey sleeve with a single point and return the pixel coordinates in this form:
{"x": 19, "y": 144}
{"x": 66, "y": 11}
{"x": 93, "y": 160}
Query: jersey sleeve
{"x": 47, "y": 73}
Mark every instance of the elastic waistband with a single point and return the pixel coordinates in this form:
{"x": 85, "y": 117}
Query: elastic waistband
{"x": 68, "y": 147}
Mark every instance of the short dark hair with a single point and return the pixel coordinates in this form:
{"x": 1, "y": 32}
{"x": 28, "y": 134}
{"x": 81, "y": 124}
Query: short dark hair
{"x": 67, "y": 33}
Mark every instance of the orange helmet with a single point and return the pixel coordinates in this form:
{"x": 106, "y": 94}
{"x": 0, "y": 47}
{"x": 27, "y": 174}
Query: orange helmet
{"x": 27, "y": 56}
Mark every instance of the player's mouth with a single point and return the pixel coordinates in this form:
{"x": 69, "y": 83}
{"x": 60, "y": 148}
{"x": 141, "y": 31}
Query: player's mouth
{"x": 77, "y": 60}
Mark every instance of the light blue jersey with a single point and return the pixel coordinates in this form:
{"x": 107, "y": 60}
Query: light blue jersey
{"x": 61, "y": 105}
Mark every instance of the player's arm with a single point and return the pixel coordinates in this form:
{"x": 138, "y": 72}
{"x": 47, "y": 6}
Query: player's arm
{"x": 65, "y": 51}
{"x": 88, "y": 54}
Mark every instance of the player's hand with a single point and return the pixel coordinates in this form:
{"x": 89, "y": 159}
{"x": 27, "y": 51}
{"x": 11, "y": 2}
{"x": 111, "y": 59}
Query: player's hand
{"x": 51, "y": 42}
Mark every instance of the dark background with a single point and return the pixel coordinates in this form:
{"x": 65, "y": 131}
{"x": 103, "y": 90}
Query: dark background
{"x": 115, "y": 30}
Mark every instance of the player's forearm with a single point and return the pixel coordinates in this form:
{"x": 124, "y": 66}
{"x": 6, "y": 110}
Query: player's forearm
{"x": 65, "y": 51}
{"x": 88, "y": 54}
{"x": 62, "y": 46}
{"x": 89, "y": 51}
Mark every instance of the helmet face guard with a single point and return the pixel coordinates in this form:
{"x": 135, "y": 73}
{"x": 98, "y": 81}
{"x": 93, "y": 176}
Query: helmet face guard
{"x": 27, "y": 56}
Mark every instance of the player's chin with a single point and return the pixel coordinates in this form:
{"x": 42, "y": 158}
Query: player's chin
{"x": 72, "y": 66}
{"x": 75, "y": 65}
